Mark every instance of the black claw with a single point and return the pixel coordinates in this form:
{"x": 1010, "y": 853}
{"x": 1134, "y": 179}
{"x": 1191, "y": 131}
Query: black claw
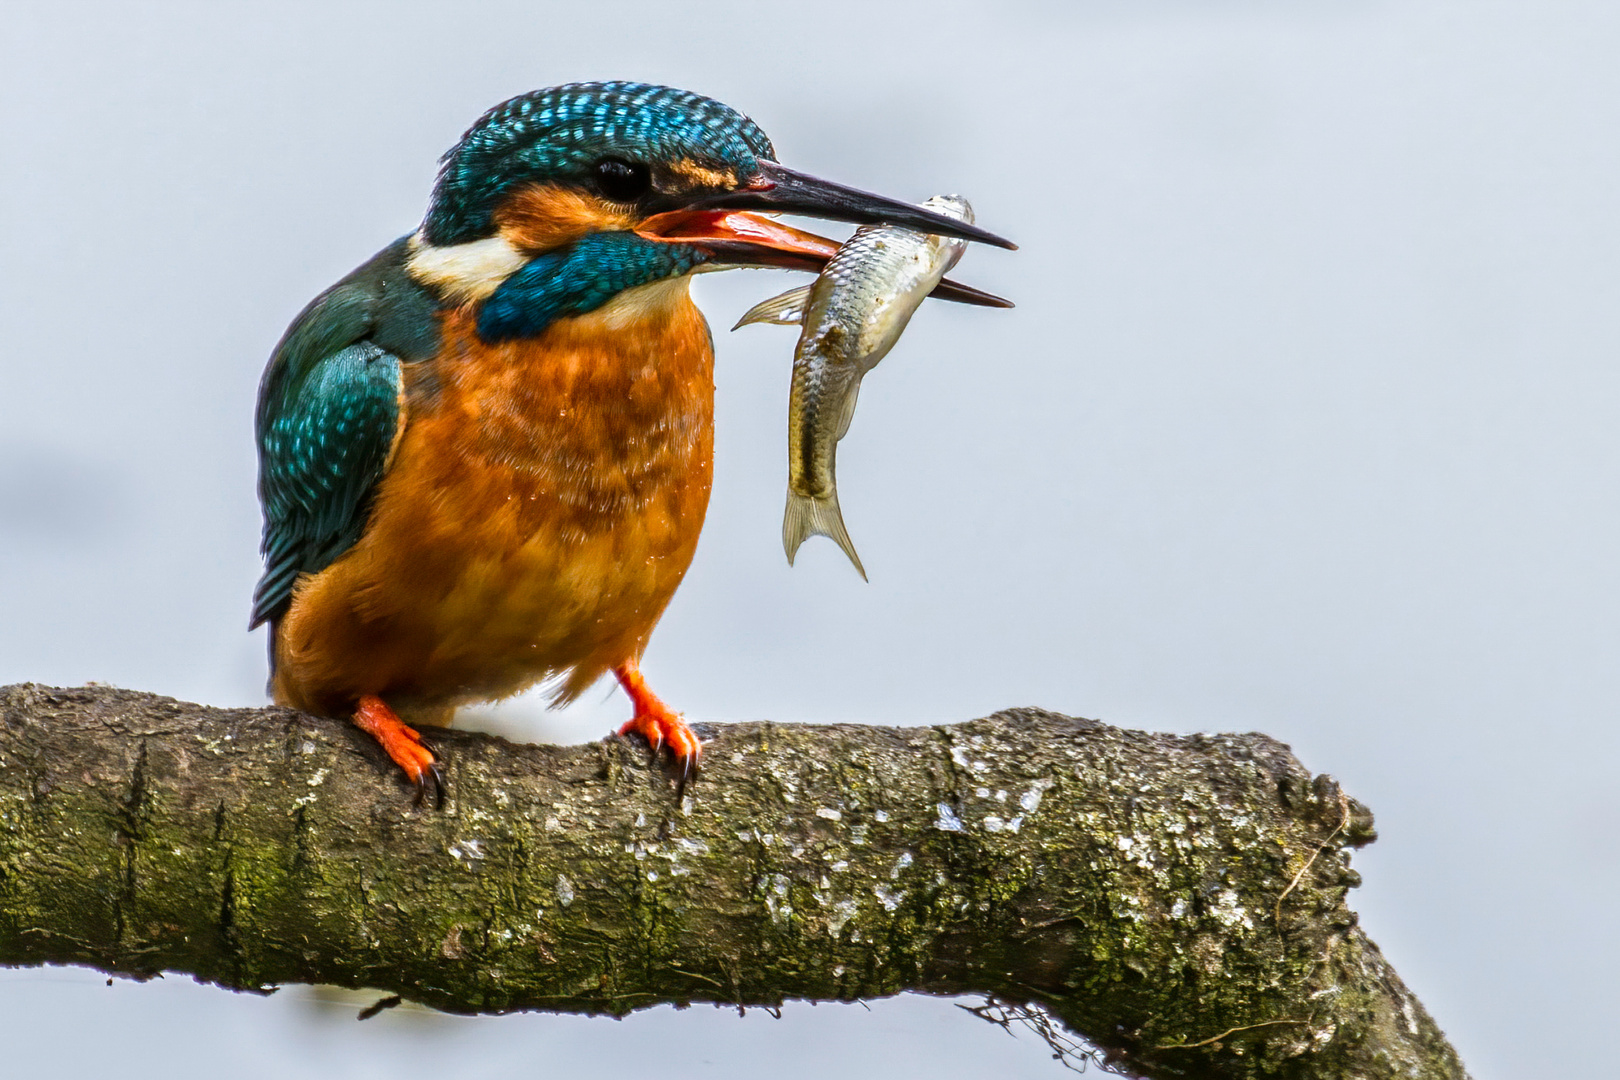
{"x": 687, "y": 773}
{"x": 430, "y": 785}
{"x": 681, "y": 770}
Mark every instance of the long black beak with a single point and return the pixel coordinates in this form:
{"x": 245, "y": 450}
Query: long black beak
{"x": 783, "y": 190}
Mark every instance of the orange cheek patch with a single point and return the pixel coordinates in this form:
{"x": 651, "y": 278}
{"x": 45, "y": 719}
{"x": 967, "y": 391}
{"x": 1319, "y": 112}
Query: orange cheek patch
{"x": 702, "y": 176}
{"x": 541, "y": 217}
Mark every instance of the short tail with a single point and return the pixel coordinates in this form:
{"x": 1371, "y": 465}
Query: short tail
{"x": 807, "y": 516}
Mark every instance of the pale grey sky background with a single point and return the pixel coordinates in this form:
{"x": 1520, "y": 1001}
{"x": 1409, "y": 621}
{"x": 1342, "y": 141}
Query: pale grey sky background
{"x": 1305, "y": 423}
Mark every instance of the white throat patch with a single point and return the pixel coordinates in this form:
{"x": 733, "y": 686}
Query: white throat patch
{"x": 464, "y": 272}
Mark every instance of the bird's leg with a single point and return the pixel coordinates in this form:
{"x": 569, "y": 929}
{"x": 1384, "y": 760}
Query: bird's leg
{"x": 658, "y": 723}
{"x": 401, "y": 743}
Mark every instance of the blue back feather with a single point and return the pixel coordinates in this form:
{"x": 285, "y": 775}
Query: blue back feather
{"x": 328, "y": 413}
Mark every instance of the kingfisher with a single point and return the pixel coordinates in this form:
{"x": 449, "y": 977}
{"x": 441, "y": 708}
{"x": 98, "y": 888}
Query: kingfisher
{"x": 485, "y": 455}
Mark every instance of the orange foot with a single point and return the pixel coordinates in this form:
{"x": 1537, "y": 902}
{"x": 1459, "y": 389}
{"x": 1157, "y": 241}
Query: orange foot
{"x": 401, "y": 743}
{"x": 659, "y": 724}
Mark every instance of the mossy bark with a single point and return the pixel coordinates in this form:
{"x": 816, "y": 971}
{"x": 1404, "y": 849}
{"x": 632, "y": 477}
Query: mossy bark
{"x": 1179, "y": 901}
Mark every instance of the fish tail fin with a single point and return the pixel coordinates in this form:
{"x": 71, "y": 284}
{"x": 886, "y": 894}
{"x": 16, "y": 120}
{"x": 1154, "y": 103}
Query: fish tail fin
{"x": 807, "y": 516}
{"x": 784, "y": 310}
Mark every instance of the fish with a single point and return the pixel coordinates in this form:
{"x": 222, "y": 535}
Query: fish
{"x": 850, "y": 317}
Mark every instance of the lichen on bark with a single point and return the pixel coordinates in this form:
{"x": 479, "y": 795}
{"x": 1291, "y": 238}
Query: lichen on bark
{"x": 1178, "y": 901}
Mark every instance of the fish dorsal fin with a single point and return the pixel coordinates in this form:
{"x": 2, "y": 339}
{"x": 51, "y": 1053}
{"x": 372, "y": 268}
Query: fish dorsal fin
{"x": 784, "y": 310}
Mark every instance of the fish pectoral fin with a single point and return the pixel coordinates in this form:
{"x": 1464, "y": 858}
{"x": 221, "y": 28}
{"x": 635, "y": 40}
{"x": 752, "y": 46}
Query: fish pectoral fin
{"x": 807, "y": 516}
{"x": 784, "y": 310}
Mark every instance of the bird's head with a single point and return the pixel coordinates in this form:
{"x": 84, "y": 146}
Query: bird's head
{"x": 563, "y": 197}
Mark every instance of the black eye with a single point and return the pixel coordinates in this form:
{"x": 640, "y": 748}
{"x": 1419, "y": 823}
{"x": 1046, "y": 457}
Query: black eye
{"x": 622, "y": 181}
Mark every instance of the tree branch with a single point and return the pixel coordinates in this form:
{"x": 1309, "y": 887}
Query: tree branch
{"x": 1176, "y": 900}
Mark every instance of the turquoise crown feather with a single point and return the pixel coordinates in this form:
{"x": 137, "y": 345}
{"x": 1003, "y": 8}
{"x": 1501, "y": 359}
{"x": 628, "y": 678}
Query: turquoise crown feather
{"x": 560, "y": 132}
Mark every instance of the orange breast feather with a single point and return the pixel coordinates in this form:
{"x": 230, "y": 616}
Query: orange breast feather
{"x": 542, "y": 506}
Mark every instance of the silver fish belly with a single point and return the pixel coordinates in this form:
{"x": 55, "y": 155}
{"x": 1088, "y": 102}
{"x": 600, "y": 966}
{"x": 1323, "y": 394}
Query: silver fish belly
{"x": 851, "y": 315}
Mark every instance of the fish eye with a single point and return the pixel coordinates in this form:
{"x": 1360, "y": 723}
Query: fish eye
{"x": 622, "y": 181}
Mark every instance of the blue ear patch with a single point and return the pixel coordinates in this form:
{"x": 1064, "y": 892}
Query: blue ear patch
{"x": 577, "y": 279}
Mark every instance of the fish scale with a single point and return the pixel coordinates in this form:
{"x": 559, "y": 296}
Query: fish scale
{"x": 851, "y": 316}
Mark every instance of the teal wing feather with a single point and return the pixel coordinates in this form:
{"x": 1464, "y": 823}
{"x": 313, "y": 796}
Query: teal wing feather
{"x": 330, "y": 408}
{"x": 323, "y": 445}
